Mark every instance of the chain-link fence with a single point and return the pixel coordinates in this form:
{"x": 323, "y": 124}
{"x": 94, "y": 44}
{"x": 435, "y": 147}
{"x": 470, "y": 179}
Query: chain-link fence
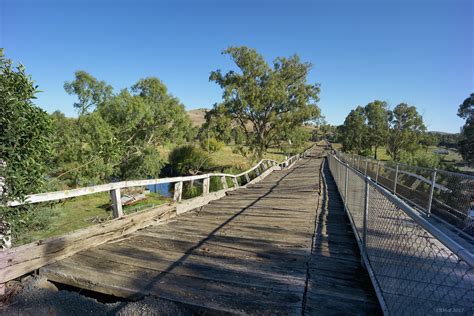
{"x": 416, "y": 269}
{"x": 448, "y": 195}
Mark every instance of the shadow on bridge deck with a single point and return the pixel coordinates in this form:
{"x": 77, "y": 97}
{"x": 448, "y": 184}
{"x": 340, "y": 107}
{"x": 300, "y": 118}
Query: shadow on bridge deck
{"x": 250, "y": 252}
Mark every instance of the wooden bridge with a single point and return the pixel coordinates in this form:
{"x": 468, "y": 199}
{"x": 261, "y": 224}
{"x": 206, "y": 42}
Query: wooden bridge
{"x": 283, "y": 245}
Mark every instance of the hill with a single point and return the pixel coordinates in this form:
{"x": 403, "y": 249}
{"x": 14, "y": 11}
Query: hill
{"x": 197, "y": 116}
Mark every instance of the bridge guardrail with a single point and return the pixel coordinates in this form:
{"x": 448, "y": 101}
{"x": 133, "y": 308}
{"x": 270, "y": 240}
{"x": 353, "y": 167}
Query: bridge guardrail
{"x": 447, "y": 195}
{"x": 115, "y": 187}
{"x": 415, "y": 268}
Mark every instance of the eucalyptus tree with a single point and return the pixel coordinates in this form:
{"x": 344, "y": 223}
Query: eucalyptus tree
{"x": 218, "y": 125}
{"x": 406, "y": 130}
{"x": 466, "y": 143}
{"x": 267, "y": 102}
{"x": 117, "y": 135}
{"x": 90, "y": 92}
{"x": 141, "y": 119}
{"x": 354, "y": 132}
{"x": 377, "y": 124}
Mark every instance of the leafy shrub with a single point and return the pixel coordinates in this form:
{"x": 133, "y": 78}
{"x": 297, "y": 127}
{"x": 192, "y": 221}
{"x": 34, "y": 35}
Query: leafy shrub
{"x": 191, "y": 191}
{"x": 188, "y": 160}
{"x": 421, "y": 159}
{"x": 212, "y": 144}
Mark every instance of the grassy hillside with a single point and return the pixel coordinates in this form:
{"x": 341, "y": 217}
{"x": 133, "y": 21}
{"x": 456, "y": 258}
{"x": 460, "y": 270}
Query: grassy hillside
{"x": 197, "y": 116}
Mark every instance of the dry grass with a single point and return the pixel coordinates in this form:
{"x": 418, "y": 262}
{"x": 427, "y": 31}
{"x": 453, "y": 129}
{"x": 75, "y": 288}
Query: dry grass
{"x": 197, "y": 116}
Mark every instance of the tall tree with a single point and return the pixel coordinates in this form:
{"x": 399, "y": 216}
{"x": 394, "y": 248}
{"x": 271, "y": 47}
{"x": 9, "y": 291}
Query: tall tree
{"x": 89, "y": 91}
{"x": 269, "y": 99}
{"x": 466, "y": 144}
{"x": 24, "y": 143}
{"x": 354, "y": 132}
{"x": 377, "y": 123}
{"x": 406, "y": 129}
{"x": 118, "y": 135}
{"x": 218, "y": 125}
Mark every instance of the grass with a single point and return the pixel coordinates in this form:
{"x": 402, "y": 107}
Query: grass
{"x": 227, "y": 158}
{"x": 81, "y": 212}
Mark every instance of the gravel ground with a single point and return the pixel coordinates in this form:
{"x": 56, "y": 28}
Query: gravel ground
{"x": 37, "y": 296}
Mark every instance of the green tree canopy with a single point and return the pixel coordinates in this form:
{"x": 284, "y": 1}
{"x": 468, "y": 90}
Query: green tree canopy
{"x": 24, "y": 133}
{"x": 267, "y": 102}
{"x": 354, "y": 132}
{"x": 406, "y": 130}
{"x": 24, "y": 147}
{"x": 90, "y": 92}
{"x": 377, "y": 124}
{"x": 118, "y": 135}
{"x": 466, "y": 143}
{"x": 218, "y": 125}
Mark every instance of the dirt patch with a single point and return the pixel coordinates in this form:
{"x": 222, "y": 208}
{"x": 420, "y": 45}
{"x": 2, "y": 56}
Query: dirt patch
{"x": 37, "y": 296}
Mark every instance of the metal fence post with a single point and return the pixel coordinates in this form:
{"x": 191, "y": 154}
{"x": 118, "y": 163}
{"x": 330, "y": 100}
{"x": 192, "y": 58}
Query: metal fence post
{"x": 396, "y": 179}
{"x": 366, "y": 214}
{"x": 433, "y": 183}
{"x": 366, "y": 163}
{"x": 346, "y": 184}
{"x": 377, "y": 174}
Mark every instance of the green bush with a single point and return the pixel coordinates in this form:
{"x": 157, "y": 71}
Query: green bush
{"x": 421, "y": 159}
{"x": 188, "y": 160}
{"x": 212, "y": 145}
{"x": 190, "y": 192}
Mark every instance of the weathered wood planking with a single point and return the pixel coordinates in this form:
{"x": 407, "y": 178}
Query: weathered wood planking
{"x": 337, "y": 282}
{"x": 18, "y": 261}
{"x": 246, "y": 253}
{"x": 15, "y": 262}
{"x": 236, "y": 258}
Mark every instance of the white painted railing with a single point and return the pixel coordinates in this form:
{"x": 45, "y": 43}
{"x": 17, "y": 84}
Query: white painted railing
{"x": 115, "y": 187}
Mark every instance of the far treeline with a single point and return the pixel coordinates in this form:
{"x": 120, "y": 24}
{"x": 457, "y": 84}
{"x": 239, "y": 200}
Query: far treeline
{"x": 401, "y": 133}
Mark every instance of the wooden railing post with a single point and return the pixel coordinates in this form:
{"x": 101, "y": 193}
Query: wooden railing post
{"x": 224, "y": 183}
{"x": 257, "y": 172}
{"x": 117, "y": 211}
{"x": 236, "y": 182}
{"x": 247, "y": 178}
{"x": 205, "y": 185}
{"x": 178, "y": 191}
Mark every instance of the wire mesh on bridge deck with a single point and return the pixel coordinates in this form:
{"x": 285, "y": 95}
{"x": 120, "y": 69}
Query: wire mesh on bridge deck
{"x": 414, "y": 272}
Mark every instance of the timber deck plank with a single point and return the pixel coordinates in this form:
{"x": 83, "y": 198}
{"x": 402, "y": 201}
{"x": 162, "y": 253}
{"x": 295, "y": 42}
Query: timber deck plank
{"x": 250, "y": 252}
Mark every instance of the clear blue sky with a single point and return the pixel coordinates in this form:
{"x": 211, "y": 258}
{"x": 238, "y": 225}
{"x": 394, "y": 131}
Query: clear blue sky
{"x": 418, "y": 51}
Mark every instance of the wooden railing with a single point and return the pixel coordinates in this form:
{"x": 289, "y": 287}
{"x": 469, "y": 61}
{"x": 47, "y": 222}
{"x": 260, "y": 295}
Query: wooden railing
{"x": 17, "y": 261}
{"x": 115, "y": 188}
